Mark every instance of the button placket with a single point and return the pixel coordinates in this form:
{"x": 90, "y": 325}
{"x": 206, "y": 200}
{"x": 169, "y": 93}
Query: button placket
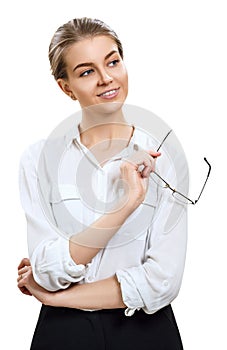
{"x": 99, "y": 184}
{"x": 102, "y": 185}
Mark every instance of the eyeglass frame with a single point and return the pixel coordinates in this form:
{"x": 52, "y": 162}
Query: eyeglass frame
{"x": 167, "y": 185}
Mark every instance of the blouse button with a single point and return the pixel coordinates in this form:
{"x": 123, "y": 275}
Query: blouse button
{"x": 165, "y": 283}
{"x": 90, "y": 279}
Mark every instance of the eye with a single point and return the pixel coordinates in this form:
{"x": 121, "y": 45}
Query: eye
{"x": 86, "y": 73}
{"x": 114, "y": 63}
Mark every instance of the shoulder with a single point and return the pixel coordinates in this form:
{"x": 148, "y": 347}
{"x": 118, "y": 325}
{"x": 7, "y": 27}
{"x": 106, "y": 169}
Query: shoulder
{"x": 31, "y": 154}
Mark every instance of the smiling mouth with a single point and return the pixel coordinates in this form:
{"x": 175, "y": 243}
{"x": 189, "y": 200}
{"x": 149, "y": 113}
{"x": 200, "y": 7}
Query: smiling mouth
{"x": 110, "y": 93}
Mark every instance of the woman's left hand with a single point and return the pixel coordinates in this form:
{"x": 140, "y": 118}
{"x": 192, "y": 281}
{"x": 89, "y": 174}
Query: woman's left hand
{"x": 28, "y": 285}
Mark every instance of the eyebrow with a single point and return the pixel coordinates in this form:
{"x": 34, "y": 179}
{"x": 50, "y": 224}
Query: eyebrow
{"x": 86, "y": 64}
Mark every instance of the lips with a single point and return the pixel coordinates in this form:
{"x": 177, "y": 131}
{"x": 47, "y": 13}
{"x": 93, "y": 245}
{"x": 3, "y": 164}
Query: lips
{"x": 108, "y": 94}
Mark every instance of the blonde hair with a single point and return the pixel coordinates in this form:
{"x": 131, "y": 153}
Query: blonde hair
{"x": 72, "y": 32}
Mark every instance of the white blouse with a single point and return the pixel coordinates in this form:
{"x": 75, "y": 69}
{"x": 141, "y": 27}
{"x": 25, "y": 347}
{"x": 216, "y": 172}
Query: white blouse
{"x": 61, "y": 195}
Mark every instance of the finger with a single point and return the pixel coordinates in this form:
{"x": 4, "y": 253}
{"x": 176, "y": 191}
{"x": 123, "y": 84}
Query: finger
{"x": 131, "y": 163}
{"x": 148, "y": 166}
{"x": 24, "y": 290}
{"x": 127, "y": 168}
{"x": 143, "y": 164}
{"x": 149, "y": 163}
{"x": 154, "y": 154}
{"x": 23, "y": 270}
{"x": 22, "y": 276}
{"x": 19, "y": 278}
{"x": 139, "y": 159}
{"x": 22, "y": 281}
{"x": 146, "y": 172}
{"x": 153, "y": 159}
{"x": 142, "y": 161}
{"x": 24, "y": 262}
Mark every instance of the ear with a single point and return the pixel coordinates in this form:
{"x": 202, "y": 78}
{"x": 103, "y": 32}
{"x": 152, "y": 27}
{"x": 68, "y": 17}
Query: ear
{"x": 63, "y": 84}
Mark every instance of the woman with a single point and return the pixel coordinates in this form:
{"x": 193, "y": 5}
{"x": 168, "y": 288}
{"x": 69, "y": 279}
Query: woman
{"x": 94, "y": 262}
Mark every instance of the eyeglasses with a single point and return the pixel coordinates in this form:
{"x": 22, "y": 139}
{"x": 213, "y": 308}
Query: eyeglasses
{"x": 180, "y": 197}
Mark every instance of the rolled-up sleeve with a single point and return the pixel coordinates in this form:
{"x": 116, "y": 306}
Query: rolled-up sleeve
{"x": 156, "y": 282}
{"x": 53, "y": 267}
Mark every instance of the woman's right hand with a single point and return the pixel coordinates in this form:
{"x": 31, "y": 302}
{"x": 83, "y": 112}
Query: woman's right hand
{"x": 28, "y": 286}
{"x": 23, "y": 267}
{"x": 135, "y": 172}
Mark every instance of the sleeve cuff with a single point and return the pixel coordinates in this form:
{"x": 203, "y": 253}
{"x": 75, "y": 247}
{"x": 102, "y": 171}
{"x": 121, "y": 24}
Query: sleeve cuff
{"x": 70, "y": 267}
{"x": 130, "y": 294}
{"x": 56, "y": 269}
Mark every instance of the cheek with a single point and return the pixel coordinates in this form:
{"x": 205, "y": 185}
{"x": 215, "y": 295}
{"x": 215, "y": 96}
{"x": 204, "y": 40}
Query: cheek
{"x": 124, "y": 75}
{"x": 125, "y": 80}
{"x": 82, "y": 90}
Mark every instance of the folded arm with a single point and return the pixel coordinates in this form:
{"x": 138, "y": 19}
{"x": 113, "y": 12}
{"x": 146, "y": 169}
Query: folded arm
{"x": 103, "y": 294}
{"x": 57, "y": 262}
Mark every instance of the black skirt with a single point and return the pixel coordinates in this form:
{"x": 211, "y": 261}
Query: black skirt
{"x": 62, "y": 328}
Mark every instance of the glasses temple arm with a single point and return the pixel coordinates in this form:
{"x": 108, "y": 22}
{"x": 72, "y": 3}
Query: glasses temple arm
{"x": 164, "y": 140}
{"x": 208, "y": 174}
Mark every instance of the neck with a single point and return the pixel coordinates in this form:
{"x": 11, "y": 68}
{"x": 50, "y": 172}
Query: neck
{"x": 103, "y": 122}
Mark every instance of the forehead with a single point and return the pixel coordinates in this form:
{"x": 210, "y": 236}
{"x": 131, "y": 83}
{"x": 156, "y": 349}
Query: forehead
{"x": 90, "y": 50}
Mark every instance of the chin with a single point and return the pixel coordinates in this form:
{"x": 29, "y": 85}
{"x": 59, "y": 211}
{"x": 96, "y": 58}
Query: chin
{"x": 104, "y": 110}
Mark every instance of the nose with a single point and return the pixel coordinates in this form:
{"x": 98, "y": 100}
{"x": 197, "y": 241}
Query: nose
{"x": 104, "y": 78}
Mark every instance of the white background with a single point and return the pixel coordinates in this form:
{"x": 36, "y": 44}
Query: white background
{"x": 176, "y": 56}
